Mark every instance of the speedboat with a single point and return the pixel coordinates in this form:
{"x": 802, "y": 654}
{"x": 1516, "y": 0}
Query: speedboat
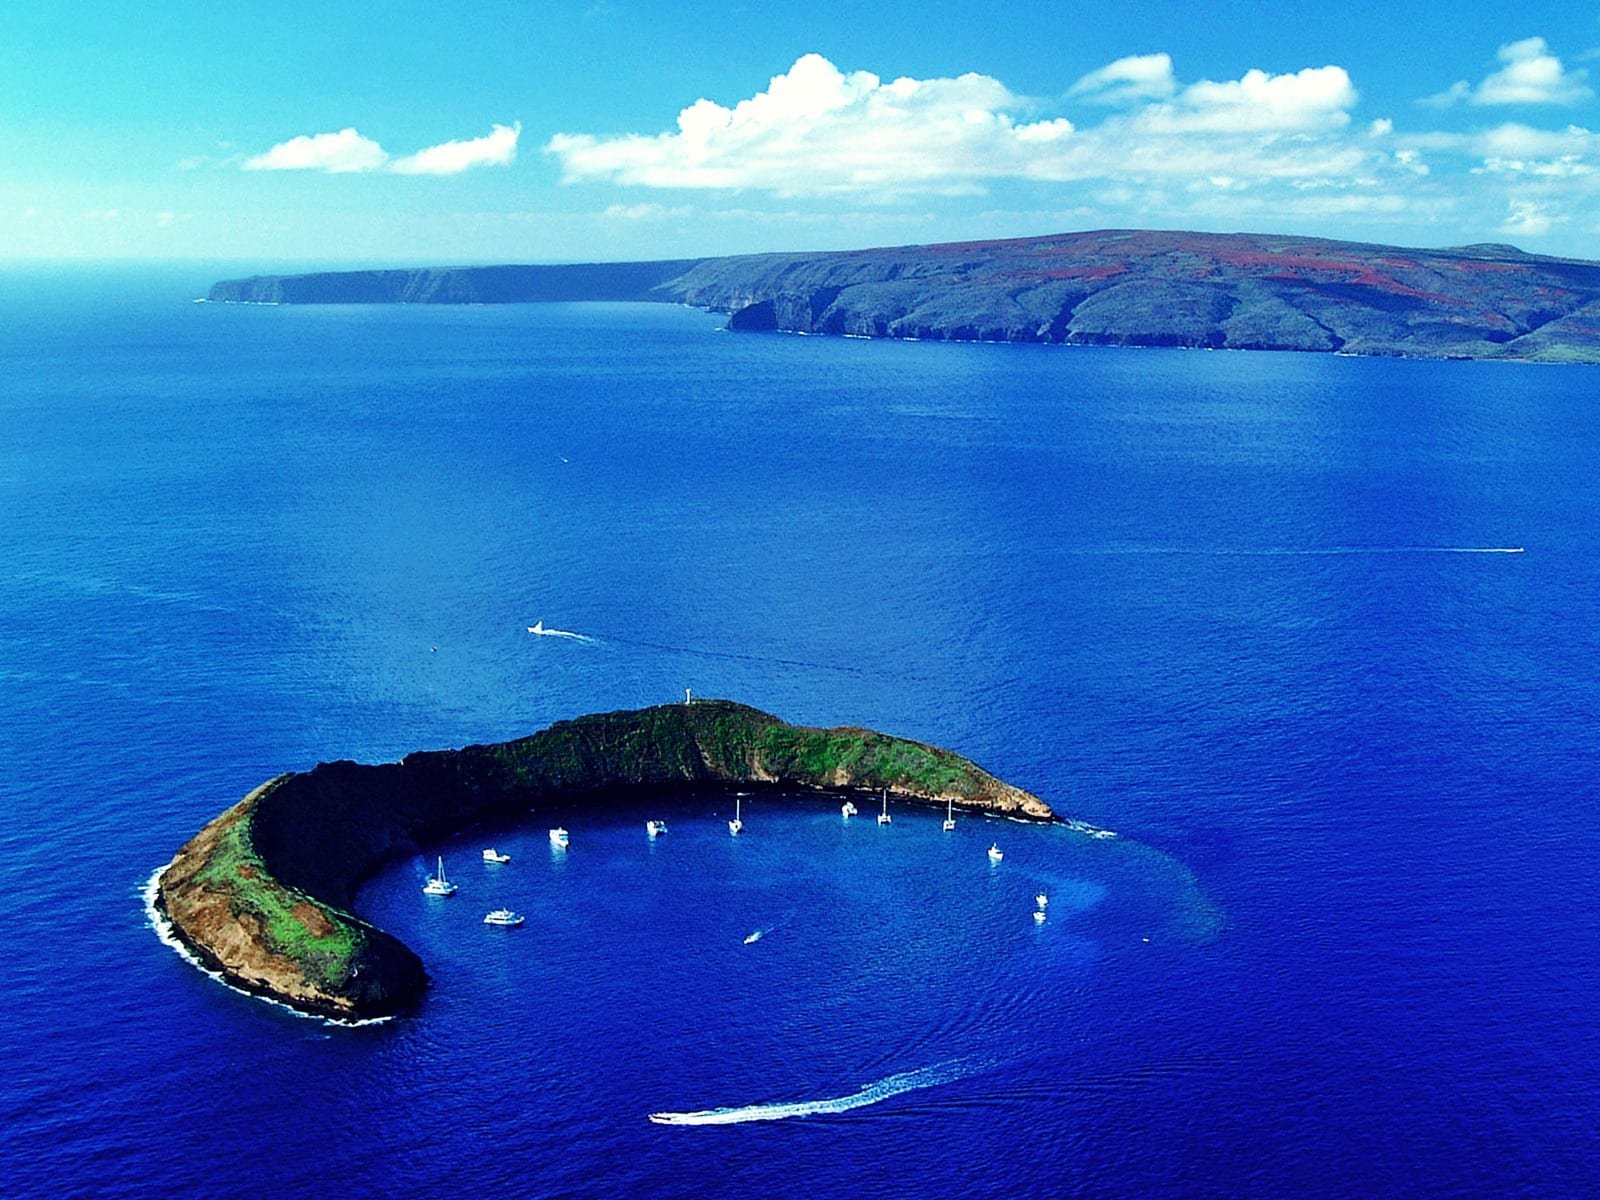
{"x": 491, "y": 855}
{"x": 995, "y": 853}
{"x": 848, "y": 810}
{"x": 503, "y": 916}
{"x": 558, "y": 837}
{"x": 438, "y": 885}
{"x": 655, "y": 828}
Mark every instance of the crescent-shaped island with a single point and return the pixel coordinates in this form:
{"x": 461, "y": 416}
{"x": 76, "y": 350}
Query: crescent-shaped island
{"x": 262, "y": 895}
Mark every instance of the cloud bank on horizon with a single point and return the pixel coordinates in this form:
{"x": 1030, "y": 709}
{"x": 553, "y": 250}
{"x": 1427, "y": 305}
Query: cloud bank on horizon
{"x": 816, "y": 130}
{"x": 827, "y": 155}
{"x": 1284, "y": 144}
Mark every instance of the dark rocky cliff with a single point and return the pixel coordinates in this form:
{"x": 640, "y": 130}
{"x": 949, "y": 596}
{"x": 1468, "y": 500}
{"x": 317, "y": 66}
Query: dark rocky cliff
{"x": 456, "y": 285}
{"x": 1144, "y": 288}
{"x": 1108, "y": 287}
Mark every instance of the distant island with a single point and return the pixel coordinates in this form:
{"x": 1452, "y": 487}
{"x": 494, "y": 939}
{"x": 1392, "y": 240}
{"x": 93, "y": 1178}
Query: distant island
{"x": 1104, "y": 288}
{"x": 262, "y": 894}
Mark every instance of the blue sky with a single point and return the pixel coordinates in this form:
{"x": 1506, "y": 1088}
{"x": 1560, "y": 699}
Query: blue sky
{"x": 610, "y": 129}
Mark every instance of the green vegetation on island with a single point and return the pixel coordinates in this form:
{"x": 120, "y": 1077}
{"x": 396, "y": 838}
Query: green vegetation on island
{"x": 263, "y": 893}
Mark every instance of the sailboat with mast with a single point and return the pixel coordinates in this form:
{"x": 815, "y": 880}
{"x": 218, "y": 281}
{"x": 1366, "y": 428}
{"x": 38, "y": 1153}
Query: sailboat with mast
{"x": 437, "y": 884}
{"x": 884, "y": 818}
{"x": 949, "y": 813}
{"x": 736, "y": 826}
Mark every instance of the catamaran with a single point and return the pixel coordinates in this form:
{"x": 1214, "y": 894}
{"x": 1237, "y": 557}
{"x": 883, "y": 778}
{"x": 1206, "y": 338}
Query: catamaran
{"x": 949, "y": 813}
{"x": 884, "y": 818}
{"x": 735, "y": 825}
{"x": 438, "y": 885}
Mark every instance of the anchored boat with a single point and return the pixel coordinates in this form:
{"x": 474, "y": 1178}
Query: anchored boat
{"x": 437, "y": 884}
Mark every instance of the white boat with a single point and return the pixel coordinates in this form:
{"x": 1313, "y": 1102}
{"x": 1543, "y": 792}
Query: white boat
{"x": 503, "y": 916}
{"x": 995, "y": 853}
{"x": 491, "y": 855}
{"x": 655, "y": 828}
{"x": 737, "y": 824}
{"x": 884, "y": 818}
{"x": 1042, "y": 901}
{"x": 848, "y": 810}
{"x": 438, "y": 885}
{"x": 1038, "y": 914}
{"x": 949, "y": 813}
{"x": 558, "y": 837}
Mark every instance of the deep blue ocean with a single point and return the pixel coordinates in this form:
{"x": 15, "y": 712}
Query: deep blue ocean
{"x": 1229, "y": 605}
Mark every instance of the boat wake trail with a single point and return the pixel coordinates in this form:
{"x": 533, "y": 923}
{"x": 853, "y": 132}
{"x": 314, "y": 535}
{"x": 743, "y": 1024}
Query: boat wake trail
{"x": 538, "y": 630}
{"x": 1292, "y": 551}
{"x": 873, "y": 1093}
{"x": 761, "y": 933}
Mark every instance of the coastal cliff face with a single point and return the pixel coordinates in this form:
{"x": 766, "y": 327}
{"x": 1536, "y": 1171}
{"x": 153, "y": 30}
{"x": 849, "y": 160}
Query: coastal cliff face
{"x": 262, "y": 893}
{"x": 457, "y": 285}
{"x": 1108, "y": 287}
{"x": 1158, "y": 288}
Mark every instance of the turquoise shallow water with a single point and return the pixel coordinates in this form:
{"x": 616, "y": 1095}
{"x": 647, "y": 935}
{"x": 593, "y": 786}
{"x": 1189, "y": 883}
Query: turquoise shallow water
{"x": 1212, "y": 601}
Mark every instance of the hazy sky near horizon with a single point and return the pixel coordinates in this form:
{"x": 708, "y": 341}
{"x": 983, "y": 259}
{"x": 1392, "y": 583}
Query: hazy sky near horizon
{"x": 612, "y": 129}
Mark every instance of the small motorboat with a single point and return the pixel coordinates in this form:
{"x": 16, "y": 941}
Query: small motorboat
{"x": 995, "y": 853}
{"x": 491, "y": 855}
{"x": 1038, "y": 914}
{"x": 437, "y": 884}
{"x": 848, "y": 810}
{"x": 503, "y": 916}
{"x": 558, "y": 838}
{"x": 1042, "y": 901}
{"x": 655, "y": 828}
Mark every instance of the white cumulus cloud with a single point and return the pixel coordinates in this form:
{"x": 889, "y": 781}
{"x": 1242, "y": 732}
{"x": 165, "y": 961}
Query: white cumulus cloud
{"x": 337, "y": 153}
{"x": 1317, "y": 98}
{"x": 497, "y": 148}
{"x": 348, "y": 152}
{"x": 816, "y": 130}
{"x": 1530, "y": 75}
{"x": 1527, "y": 218}
{"x": 1128, "y": 80}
